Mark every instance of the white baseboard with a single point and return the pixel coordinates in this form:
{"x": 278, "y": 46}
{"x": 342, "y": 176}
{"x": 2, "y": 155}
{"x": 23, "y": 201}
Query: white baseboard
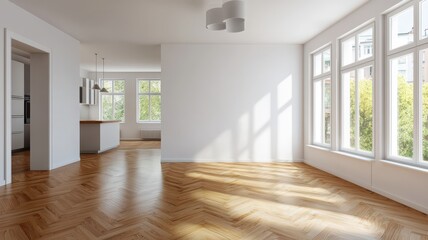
{"x": 344, "y": 177}
{"x": 65, "y": 164}
{"x": 209, "y": 160}
{"x": 403, "y": 201}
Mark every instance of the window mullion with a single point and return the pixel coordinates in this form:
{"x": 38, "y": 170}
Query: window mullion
{"x": 112, "y": 106}
{"x": 322, "y": 113}
{"x": 357, "y": 112}
{"x": 417, "y": 88}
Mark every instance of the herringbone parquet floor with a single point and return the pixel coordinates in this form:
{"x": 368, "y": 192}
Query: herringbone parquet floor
{"x": 128, "y": 194}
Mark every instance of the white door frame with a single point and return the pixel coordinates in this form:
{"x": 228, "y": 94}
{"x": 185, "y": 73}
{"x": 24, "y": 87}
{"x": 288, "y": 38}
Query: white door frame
{"x": 9, "y": 36}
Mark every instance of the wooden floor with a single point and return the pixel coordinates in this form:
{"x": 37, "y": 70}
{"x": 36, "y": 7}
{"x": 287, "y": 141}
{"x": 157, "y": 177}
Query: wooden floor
{"x": 139, "y": 145}
{"x": 128, "y": 194}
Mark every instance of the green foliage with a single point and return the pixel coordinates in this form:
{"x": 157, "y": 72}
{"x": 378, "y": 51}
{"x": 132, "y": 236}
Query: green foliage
{"x": 119, "y": 107}
{"x": 425, "y": 120}
{"x": 119, "y": 86}
{"x": 144, "y": 86}
{"x": 149, "y": 105}
{"x": 107, "y": 107}
{"x": 144, "y": 108}
{"x": 113, "y": 106}
{"x": 352, "y": 103}
{"x": 405, "y": 117}
{"x": 366, "y": 114}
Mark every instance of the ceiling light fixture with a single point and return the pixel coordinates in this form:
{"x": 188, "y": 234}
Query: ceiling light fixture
{"x": 96, "y": 86}
{"x": 215, "y": 17}
{"x": 103, "y": 90}
{"x": 230, "y": 17}
{"x": 234, "y": 15}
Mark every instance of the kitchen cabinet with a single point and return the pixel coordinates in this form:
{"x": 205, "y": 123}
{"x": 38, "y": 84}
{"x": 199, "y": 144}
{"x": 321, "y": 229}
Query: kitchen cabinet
{"x": 87, "y": 94}
{"x": 17, "y": 111}
{"x": 97, "y": 136}
{"x": 18, "y": 73}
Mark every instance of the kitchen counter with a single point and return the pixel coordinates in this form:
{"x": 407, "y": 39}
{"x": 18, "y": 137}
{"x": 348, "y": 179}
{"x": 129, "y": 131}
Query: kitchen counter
{"x": 98, "y": 121}
{"x": 97, "y": 136}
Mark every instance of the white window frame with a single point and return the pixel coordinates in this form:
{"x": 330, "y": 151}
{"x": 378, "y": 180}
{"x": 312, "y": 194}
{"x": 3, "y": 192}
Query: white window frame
{"x": 321, "y": 77}
{"x": 112, "y": 94}
{"x": 150, "y": 99}
{"x": 355, "y": 66}
{"x": 415, "y": 47}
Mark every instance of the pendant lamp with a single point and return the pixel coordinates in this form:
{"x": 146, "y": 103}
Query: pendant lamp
{"x": 103, "y": 90}
{"x": 96, "y": 86}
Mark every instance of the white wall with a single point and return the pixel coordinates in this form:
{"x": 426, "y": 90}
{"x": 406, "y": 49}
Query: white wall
{"x": 65, "y": 76}
{"x": 130, "y": 129}
{"x": 84, "y": 109}
{"x": 231, "y": 103}
{"x": 401, "y": 183}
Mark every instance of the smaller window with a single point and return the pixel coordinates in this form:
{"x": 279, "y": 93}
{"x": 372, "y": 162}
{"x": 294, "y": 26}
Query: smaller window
{"x": 401, "y": 28}
{"x": 423, "y": 19}
{"x": 348, "y": 51}
{"x": 113, "y": 102}
{"x": 326, "y": 61}
{"x": 149, "y": 100}
{"x": 321, "y": 120}
{"x": 365, "y": 44}
{"x": 322, "y": 62}
{"x": 322, "y": 111}
{"x": 318, "y": 64}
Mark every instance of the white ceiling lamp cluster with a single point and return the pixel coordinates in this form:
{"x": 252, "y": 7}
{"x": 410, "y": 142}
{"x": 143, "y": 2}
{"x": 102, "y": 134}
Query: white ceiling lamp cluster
{"x": 96, "y": 86}
{"x": 230, "y": 17}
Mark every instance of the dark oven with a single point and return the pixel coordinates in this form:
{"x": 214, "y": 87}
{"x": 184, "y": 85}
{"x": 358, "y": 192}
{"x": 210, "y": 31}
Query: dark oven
{"x": 27, "y": 109}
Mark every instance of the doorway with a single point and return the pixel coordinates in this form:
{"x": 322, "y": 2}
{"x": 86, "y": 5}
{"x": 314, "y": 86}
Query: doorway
{"x": 37, "y": 57}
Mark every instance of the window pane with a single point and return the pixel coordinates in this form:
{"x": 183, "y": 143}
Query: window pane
{"x": 119, "y": 107}
{"x": 144, "y": 114}
{"x": 327, "y": 110}
{"x": 349, "y": 106}
{"x": 401, "y": 132}
{"x": 317, "y": 112}
{"x": 155, "y": 86}
{"x": 424, "y": 19}
{"x": 107, "y": 107}
{"x": 365, "y": 90}
{"x": 401, "y": 28}
{"x": 317, "y": 64}
{"x": 155, "y": 105}
{"x": 365, "y": 44}
{"x": 108, "y": 85}
{"x": 348, "y": 51}
{"x": 326, "y": 61}
{"x": 119, "y": 86}
{"x": 144, "y": 86}
{"x": 424, "y": 79}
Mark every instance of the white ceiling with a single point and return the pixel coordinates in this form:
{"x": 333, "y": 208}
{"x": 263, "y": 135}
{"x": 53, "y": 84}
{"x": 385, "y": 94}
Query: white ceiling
{"x": 121, "y": 57}
{"x": 152, "y": 22}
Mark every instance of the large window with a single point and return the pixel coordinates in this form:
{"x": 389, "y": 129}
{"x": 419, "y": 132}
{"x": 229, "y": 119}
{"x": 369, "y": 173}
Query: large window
{"x": 357, "y": 73}
{"x": 322, "y": 97}
{"x": 407, "y": 84}
{"x": 113, "y": 102}
{"x": 149, "y": 100}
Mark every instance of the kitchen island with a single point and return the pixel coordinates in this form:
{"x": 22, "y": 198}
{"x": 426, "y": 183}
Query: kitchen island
{"x": 97, "y": 136}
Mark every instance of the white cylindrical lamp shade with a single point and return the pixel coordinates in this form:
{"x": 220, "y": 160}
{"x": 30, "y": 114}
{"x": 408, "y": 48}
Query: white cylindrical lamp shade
{"x": 215, "y": 19}
{"x": 234, "y": 15}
